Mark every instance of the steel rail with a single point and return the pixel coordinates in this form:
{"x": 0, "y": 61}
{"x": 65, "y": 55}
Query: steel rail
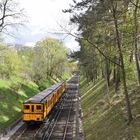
{"x": 67, "y": 122}
{"x": 33, "y": 132}
{"x": 53, "y": 120}
{"x": 17, "y": 138}
{"x": 47, "y": 137}
{"x": 50, "y": 134}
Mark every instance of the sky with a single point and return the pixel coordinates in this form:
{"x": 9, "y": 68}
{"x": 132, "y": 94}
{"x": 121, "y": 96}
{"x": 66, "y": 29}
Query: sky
{"x": 44, "y": 19}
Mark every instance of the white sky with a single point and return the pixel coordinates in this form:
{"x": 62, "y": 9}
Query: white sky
{"x": 43, "y": 17}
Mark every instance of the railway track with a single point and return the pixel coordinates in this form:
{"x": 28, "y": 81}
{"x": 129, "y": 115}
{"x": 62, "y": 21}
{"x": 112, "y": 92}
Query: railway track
{"x": 62, "y": 127}
{"x": 59, "y": 125}
{"x": 29, "y": 132}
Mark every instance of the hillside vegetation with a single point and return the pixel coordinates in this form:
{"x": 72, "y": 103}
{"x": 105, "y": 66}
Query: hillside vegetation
{"x": 104, "y": 116}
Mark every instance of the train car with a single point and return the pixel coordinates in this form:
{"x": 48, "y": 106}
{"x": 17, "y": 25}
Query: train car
{"x": 36, "y": 108}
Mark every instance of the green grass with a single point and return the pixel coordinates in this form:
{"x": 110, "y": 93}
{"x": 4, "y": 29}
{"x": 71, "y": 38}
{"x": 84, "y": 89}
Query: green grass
{"x": 51, "y": 80}
{"x": 4, "y": 83}
{"x": 46, "y": 83}
{"x": 105, "y": 119}
{"x": 65, "y": 76}
{"x": 11, "y": 99}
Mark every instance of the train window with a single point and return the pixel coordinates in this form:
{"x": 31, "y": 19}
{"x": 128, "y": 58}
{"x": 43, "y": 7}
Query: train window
{"x": 38, "y": 107}
{"x": 26, "y": 107}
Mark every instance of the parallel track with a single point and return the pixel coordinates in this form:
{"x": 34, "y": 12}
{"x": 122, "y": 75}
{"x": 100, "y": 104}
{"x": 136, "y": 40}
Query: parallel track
{"x": 60, "y": 126}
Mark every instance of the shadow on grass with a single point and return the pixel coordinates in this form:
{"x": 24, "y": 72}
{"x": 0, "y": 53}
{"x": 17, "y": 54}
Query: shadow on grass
{"x": 103, "y": 122}
{"x": 30, "y": 91}
{"x": 10, "y": 103}
{"x": 111, "y": 125}
{"x": 9, "y": 107}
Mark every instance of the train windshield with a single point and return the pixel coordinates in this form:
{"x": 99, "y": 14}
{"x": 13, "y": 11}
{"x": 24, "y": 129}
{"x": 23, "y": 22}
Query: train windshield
{"x": 27, "y": 107}
{"x": 38, "y": 107}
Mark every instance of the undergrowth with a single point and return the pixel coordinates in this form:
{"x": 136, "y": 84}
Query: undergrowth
{"x": 104, "y": 117}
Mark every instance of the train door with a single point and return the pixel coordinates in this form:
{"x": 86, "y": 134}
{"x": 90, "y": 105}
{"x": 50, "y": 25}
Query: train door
{"x": 44, "y": 110}
{"x": 47, "y": 106}
{"x": 53, "y": 100}
{"x": 32, "y": 108}
{"x": 55, "y": 97}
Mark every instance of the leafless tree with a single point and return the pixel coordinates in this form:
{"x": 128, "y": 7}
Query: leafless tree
{"x": 10, "y": 15}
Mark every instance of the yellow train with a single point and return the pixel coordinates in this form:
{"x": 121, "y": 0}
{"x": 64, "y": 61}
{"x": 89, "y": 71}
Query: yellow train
{"x": 36, "y": 108}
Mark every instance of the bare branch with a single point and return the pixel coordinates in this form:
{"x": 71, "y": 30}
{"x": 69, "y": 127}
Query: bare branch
{"x": 9, "y": 15}
{"x": 134, "y": 4}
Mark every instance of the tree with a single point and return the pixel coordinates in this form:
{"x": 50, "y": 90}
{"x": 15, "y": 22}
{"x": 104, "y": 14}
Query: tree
{"x": 135, "y": 38}
{"x": 10, "y": 64}
{"x": 50, "y": 59}
{"x": 118, "y": 41}
{"x": 26, "y": 55}
{"x": 9, "y": 15}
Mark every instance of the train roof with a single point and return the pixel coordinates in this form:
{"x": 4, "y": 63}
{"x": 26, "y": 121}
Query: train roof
{"x": 42, "y": 96}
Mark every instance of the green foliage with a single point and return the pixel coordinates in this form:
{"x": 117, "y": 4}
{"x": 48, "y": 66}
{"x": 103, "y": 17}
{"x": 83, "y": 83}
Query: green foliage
{"x": 9, "y": 62}
{"x": 98, "y": 38}
{"x": 130, "y": 69}
{"x": 26, "y": 55}
{"x": 65, "y": 76}
{"x": 45, "y": 83}
{"x": 50, "y": 59}
{"x": 47, "y": 59}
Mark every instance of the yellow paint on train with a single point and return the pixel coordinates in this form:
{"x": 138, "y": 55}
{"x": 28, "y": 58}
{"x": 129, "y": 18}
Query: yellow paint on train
{"x": 38, "y": 107}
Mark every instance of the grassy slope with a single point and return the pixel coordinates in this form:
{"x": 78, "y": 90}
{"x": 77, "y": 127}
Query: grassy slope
{"x": 10, "y": 99}
{"x": 104, "y": 121}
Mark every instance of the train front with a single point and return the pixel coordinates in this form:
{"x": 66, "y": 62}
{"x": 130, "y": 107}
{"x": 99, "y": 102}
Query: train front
{"x": 32, "y": 112}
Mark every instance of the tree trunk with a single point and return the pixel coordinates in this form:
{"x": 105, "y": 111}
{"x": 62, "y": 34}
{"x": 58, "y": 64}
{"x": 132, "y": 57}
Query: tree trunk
{"x": 135, "y": 38}
{"x": 117, "y": 75}
{"x": 114, "y": 71}
{"x": 131, "y": 56}
{"x": 107, "y": 79}
{"x": 107, "y": 71}
{"x": 128, "y": 108}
